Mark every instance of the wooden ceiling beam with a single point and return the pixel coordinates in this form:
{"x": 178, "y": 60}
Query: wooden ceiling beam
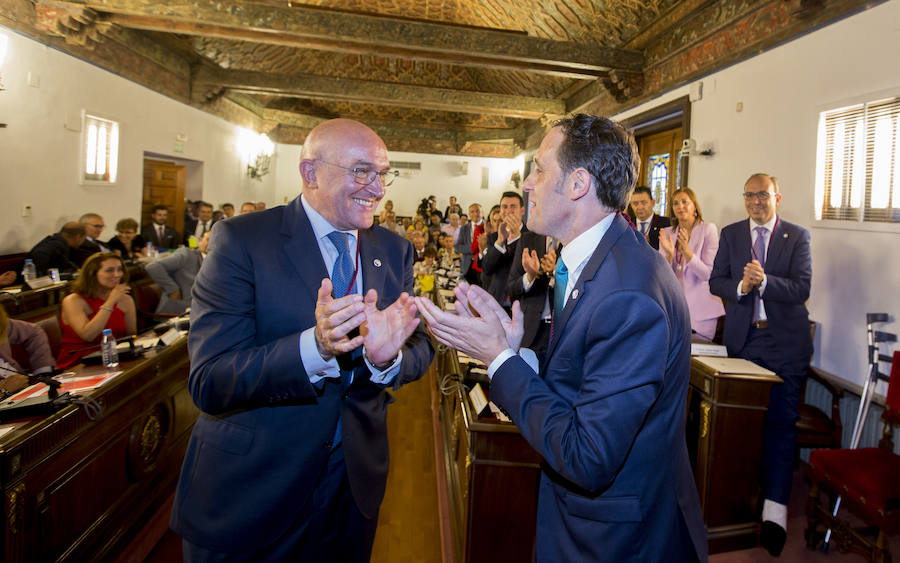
{"x": 364, "y": 91}
{"x": 315, "y": 28}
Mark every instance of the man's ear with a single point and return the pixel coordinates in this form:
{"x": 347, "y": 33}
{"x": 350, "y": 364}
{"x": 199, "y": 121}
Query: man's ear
{"x": 581, "y": 183}
{"x": 308, "y": 173}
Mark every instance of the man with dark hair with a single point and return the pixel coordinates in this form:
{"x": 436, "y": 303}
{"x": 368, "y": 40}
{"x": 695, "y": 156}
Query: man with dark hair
{"x": 228, "y": 210}
{"x": 202, "y": 225}
{"x": 607, "y": 417}
{"x": 501, "y": 246}
{"x": 248, "y": 207}
{"x": 645, "y": 220}
{"x": 301, "y": 320}
{"x": 763, "y": 271}
{"x": 56, "y": 251}
{"x": 158, "y": 232}
{"x": 452, "y": 208}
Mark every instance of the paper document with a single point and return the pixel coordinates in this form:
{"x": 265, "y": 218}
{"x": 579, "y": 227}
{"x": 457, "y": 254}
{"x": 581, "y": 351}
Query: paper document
{"x": 698, "y": 349}
{"x": 734, "y": 365}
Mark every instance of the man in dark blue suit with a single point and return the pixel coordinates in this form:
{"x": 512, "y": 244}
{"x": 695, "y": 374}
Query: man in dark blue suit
{"x": 605, "y": 408}
{"x": 288, "y": 460}
{"x": 762, "y": 270}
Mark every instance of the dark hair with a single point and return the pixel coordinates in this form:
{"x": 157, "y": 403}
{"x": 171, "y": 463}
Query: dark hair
{"x": 160, "y": 208}
{"x": 224, "y": 205}
{"x": 200, "y": 204}
{"x": 429, "y": 251}
{"x": 87, "y": 284}
{"x": 693, "y": 197}
{"x": 606, "y": 150}
{"x": 643, "y": 190}
{"x": 516, "y": 195}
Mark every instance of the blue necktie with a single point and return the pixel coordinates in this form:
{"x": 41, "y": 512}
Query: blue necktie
{"x": 342, "y": 279}
{"x": 759, "y": 251}
{"x": 561, "y": 275}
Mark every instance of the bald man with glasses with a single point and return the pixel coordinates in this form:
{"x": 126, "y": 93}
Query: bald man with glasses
{"x": 301, "y": 320}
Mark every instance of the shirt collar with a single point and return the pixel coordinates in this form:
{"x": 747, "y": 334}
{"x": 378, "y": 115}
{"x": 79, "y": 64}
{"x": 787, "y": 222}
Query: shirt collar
{"x": 769, "y": 225}
{"x": 321, "y": 226}
{"x": 576, "y": 253}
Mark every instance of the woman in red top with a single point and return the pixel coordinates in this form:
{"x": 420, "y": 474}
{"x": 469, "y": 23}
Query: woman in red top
{"x": 100, "y": 299}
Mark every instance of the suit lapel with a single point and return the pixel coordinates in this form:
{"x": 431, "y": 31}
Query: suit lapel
{"x": 618, "y": 227}
{"x": 302, "y": 248}
{"x": 777, "y": 243}
{"x": 373, "y": 260}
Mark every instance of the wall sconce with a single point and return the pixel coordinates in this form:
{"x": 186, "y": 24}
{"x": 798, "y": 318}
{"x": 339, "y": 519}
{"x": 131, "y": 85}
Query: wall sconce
{"x": 258, "y": 149}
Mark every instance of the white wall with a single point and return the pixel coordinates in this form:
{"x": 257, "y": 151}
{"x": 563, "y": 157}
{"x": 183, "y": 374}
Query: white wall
{"x": 39, "y": 157}
{"x": 440, "y": 176}
{"x": 855, "y": 269}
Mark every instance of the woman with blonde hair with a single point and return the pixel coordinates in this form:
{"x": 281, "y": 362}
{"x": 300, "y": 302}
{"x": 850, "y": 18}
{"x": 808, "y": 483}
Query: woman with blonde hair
{"x": 100, "y": 299}
{"x": 690, "y": 246}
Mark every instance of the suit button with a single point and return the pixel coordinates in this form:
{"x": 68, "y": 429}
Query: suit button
{"x": 346, "y": 395}
{"x": 328, "y": 444}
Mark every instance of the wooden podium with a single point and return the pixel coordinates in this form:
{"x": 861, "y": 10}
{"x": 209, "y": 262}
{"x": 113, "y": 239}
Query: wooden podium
{"x": 725, "y": 439}
{"x": 491, "y": 472}
{"x": 76, "y": 489}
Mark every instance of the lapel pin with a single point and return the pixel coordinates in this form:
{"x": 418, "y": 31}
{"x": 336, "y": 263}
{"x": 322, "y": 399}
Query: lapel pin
{"x": 574, "y": 294}
{"x": 785, "y": 235}
{"x": 377, "y": 263}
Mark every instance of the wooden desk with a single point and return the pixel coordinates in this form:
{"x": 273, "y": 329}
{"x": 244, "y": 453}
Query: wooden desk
{"x": 724, "y": 438}
{"x": 79, "y": 490}
{"x": 492, "y": 477}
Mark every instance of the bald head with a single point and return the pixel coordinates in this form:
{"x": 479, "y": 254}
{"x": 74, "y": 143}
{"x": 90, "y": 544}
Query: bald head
{"x": 338, "y": 158}
{"x": 74, "y": 233}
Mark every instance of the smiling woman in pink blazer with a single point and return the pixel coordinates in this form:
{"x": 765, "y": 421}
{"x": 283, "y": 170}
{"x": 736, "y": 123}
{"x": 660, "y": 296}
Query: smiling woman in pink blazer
{"x": 690, "y": 246}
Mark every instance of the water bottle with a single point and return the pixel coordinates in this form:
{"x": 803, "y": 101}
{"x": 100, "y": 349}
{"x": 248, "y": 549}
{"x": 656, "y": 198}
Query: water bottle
{"x": 29, "y": 272}
{"x": 108, "y": 348}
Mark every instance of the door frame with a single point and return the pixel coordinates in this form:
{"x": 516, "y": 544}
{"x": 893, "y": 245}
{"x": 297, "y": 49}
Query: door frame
{"x": 666, "y": 116}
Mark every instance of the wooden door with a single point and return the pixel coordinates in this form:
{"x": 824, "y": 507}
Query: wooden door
{"x": 164, "y": 184}
{"x": 661, "y": 165}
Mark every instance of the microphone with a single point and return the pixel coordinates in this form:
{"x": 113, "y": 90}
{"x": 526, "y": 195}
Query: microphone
{"x": 44, "y": 378}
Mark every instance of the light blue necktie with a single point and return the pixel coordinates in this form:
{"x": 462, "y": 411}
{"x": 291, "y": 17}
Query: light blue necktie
{"x": 342, "y": 279}
{"x": 561, "y": 275}
{"x": 759, "y": 250}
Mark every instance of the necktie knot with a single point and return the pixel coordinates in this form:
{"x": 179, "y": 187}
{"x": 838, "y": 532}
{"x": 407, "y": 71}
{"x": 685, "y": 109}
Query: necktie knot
{"x": 643, "y": 227}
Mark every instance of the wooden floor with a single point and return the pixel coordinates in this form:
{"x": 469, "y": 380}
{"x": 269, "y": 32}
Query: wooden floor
{"x": 408, "y": 524}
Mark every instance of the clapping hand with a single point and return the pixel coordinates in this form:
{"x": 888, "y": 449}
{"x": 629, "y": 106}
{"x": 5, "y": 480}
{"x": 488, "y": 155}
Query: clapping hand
{"x": 531, "y": 264}
{"x": 385, "y": 331}
{"x": 480, "y": 328}
{"x": 335, "y": 318}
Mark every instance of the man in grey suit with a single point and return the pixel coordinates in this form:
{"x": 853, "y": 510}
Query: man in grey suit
{"x": 175, "y": 275}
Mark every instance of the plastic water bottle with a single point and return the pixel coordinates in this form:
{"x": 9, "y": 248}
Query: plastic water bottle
{"x": 108, "y": 348}
{"x": 29, "y": 272}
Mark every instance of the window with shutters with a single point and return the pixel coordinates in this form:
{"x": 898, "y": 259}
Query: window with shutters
{"x": 858, "y": 163}
{"x": 100, "y": 162}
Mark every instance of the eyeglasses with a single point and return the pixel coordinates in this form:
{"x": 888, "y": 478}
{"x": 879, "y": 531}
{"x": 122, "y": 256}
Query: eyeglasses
{"x": 95, "y": 226}
{"x": 761, "y": 196}
{"x": 365, "y": 176}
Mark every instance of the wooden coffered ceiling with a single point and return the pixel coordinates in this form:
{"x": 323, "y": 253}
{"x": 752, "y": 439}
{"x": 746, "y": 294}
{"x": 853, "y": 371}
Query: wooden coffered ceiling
{"x": 475, "y": 77}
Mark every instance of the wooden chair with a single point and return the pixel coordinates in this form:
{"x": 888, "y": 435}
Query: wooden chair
{"x": 146, "y": 296}
{"x": 815, "y": 429}
{"x": 868, "y": 482}
{"x": 50, "y": 325}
